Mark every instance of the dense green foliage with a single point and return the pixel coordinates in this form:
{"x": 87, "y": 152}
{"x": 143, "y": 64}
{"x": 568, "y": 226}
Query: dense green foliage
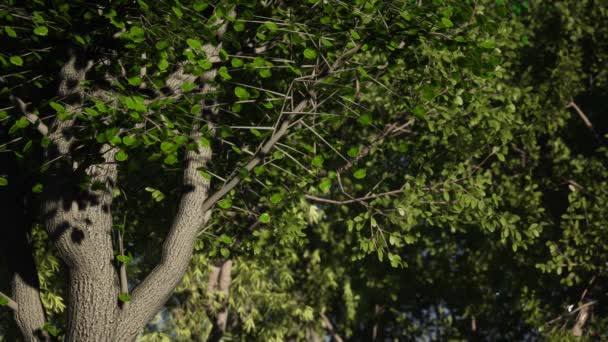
{"x": 449, "y": 180}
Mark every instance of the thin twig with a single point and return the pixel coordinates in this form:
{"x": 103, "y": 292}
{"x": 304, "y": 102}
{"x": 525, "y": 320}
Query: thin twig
{"x": 31, "y": 117}
{"x": 364, "y": 198}
{"x": 11, "y": 303}
{"x": 584, "y": 117}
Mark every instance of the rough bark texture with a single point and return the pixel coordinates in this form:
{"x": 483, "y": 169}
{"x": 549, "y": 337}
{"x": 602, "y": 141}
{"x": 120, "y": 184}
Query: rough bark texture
{"x": 25, "y": 291}
{"x": 150, "y": 296}
{"x": 79, "y": 222}
{"x": 581, "y": 320}
{"x": 223, "y": 279}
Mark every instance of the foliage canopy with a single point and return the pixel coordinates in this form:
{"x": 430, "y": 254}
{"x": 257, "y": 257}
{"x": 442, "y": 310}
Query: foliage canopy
{"x": 288, "y": 170}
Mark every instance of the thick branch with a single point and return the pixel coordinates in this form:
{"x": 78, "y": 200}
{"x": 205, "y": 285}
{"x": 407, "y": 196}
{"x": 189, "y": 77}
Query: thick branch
{"x": 331, "y": 328}
{"x": 225, "y": 278}
{"x": 257, "y": 158}
{"x": 153, "y": 292}
{"x": 156, "y": 288}
{"x": 24, "y": 298}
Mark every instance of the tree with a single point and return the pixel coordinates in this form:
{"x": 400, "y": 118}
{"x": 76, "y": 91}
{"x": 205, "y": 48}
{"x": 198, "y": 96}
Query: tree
{"x": 364, "y": 170}
{"x": 152, "y": 89}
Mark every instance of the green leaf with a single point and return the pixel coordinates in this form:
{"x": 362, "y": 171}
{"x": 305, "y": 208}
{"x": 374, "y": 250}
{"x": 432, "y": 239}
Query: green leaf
{"x": 11, "y": 33}
{"x": 195, "y": 109}
{"x": 16, "y": 60}
{"x": 225, "y": 203}
{"x": 135, "y": 81}
{"x": 194, "y": 43}
{"x": 125, "y": 259}
{"x": 458, "y": 101}
{"x": 41, "y": 30}
{"x": 325, "y": 185}
{"x": 239, "y": 26}
{"x": 170, "y": 159}
{"x": 3, "y": 181}
{"x": 123, "y": 297}
{"x": 37, "y": 188}
{"x": 178, "y": 12}
{"x": 57, "y": 107}
{"x": 223, "y": 72}
{"x": 236, "y": 62}
{"x": 317, "y": 161}
{"x": 143, "y": 5}
{"x": 365, "y": 120}
{"x": 265, "y": 218}
{"x": 3, "y": 300}
{"x": 121, "y": 156}
{"x": 163, "y": 65}
{"x": 226, "y": 239}
{"x": 276, "y": 198}
{"x": 265, "y": 73}
{"x": 225, "y": 252}
{"x": 360, "y": 174}
{"x": 353, "y": 152}
{"x": 447, "y": 22}
{"x": 488, "y": 44}
{"x": 272, "y": 26}
{"x": 51, "y": 329}
{"x": 79, "y": 39}
{"x": 204, "y": 64}
{"x": 241, "y": 93}
{"x": 395, "y": 260}
{"x": 188, "y": 86}
{"x": 419, "y": 111}
{"x": 129, "y": 140}
{"x": 91, "y": 112}
{"x": 310, "y": 53}
{"x": 200, "y": 6}
{"x": 355, "y": 35}
{"x": 168, "y": 147}
{"x": 161, "y": 45}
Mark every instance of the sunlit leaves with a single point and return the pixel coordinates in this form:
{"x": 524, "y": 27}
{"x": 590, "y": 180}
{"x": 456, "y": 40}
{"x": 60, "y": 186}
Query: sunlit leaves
{"x": 10, "y": 32}
{"x": 41, "y": 30}
{"x": 16, "y": 60}
{"x": 194, "y": 43}
{"x": 265, "y": 218}
{"x": 447, "y": 22}
{"x": 360, "y": 173}
{"x": 241, "y": 93}
{"x": 156, "y": 194}
{"x": 225, "y": 203}
{"x": 123, "y": 297}
{"x": 121, "y": 156}
{"x": 310, "y": 53}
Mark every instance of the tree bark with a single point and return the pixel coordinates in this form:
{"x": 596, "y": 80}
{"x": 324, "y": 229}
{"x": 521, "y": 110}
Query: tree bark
{"x": 150, "y": 296}
{"x": 223, "y": 279}
{"x": 79, "y": 222}
{"x": 25, "y": 288}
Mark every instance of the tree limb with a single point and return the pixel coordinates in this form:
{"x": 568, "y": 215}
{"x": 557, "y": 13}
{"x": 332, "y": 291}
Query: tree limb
{"x": 257, "y": 158}
{"x": 31, "y": 117}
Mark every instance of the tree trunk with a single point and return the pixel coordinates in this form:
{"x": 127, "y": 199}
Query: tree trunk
{"x": 25, "y": 288}
{"x": 223, "y": 285}
{"x": 79, "y": 222}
